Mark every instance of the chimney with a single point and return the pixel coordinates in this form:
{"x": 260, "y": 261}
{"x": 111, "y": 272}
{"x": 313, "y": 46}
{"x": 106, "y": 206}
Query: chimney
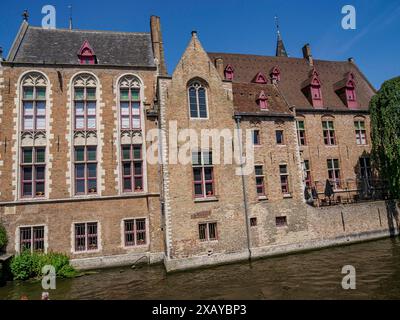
{"x": 157, "y": 43}
{"x": 219, "y": 64}
{"x": 351, "y": 60}
{"x": 307, "y": 54}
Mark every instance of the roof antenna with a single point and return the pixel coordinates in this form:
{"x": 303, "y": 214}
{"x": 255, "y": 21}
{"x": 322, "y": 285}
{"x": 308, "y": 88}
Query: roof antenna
{"x": 70, "y": 17}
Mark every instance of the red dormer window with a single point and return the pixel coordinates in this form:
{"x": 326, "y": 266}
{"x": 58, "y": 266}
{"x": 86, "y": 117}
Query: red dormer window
{"x": 275, "y": 75}
{"x": 315, "y": 90}
{"x": 262, "y": 101}
{"x": 86, "y": 54}
{"x": 351, "y": 97}
{"x": 260, "y": 78}
{"x": 229, "y": 72}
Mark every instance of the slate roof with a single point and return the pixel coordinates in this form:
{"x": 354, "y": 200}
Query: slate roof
{"x": 245, "y": 100}
{"x": 61, "y": 46}
{"x": 294, "y": 72}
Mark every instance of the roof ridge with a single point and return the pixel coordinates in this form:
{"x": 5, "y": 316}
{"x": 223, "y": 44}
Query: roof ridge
{"x": 91, "y": 31}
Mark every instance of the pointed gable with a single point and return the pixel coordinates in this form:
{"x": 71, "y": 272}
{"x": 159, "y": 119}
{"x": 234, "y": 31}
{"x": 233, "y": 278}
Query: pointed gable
{"x": 86, "y": 54}
{"x": 260, "y": 78}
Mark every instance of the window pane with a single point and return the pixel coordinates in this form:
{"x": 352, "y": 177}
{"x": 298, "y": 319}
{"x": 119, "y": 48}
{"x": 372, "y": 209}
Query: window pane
{"x": 125, "y": 122}
{"x": 28, "y": 123}
{"x": 80, "y": 186}
{"x": 126, "y": 152}
{"x": 79, "y": 93}
{"x": 91, "y": 153}
{"x": 259, "y": 181}
{"x": 91, "y": 108}
{"x": 202, "y": 232}
{"x": 27, "y": 155}
{"x": 91, "y": 93}
{"x": 40, "y": 155}
{"x": 202, "y": 103}
{"x": 92, "y": 185}
{"x": 137, "y": 152}
{"x": 28, "y": 93}
{"x": 196, "y": 158}
{"x": 39, "y": 188}
{"x": 207, "y": 158}
{"x": 212, "y": 229}
{"x": 41, "y": 108}
{"x": 80, "y": 170}
{"x": 283, "y": 169}
{"x": 124, "y": 94}
{"x": 80, "y": 154}
{"x": 28, "y": 108}
{"x": 91, "y": 122}
{"x": 125, "y": 108}
{"x": 135, "y": 123}
{"x": 135, "y": 94}
{"x": 127, "y": 184}
{"x": 27, "y": 174}
{"x": 79, "y": 122}
{"x": 197, "y": 174}
{"x": 41, "y": 123}
{"x": 259, "y": 170}
{"x": 79, "y": 108}
{"x": 193, "y": 103}
{"x": 40, "y": 93}
{"x": 92, "y": 170}
{"x": 138, "y": 184}
{"x": 136, "y": 108}
{"x": 127, "y": 169}
{"x": 209, "y": 189}
{"x": 138, "y": 169}
{"x": 198, "y": 190}
{"x": 40, "y": 173}
{"x": 27, "y": 189}
{"x": 208, "y": 174}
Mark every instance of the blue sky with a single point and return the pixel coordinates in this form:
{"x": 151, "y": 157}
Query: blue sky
{"x": 239, "y": 26}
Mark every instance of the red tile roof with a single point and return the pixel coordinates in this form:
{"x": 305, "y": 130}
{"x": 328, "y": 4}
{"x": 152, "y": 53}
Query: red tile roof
{"x": 294, "y": 73}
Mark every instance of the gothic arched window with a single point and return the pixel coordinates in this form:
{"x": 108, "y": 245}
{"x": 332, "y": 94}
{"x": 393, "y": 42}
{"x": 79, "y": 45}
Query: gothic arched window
{"x": 85, "y": 102}
{"x": 34, "y": 87}
{"x": 129, "y": 89}
{"x": 198, "y": 100}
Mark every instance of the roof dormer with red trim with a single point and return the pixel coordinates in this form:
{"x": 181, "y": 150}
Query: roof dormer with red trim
{"x": 275, "y": 75}
{"x": 229, "y": 73}
{"x": 346, "y": 90}
{"x": 312, "y": 89}
{"x": 262, "y": 101}
{"x": 260, "y": 78}
{"x": 86, "y": 54}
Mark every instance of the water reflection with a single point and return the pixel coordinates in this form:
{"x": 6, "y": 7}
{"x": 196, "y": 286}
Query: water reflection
{"x": 312, "y": 275}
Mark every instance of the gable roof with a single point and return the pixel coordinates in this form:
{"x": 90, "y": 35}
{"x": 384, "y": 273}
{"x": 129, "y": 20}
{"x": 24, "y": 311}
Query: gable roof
{"x": 60, "y": 46}
{"x": 295, "y": 71}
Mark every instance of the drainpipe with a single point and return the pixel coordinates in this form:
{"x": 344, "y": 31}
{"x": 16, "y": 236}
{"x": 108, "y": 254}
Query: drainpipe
{"x": 246, "y": 209}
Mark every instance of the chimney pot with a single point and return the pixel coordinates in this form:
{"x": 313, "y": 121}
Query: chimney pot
{"x": 307, "y": 54}
{"x": 194, "y": 33}
{"x": 351, "y": 60}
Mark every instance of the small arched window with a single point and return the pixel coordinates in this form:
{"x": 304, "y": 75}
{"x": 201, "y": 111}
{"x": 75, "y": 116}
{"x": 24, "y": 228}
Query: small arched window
{"x": 198, "y": 100}
{"x": 85, "y": 102}
{"x": 34, "y": 86}
{"x": 129, "y": 90}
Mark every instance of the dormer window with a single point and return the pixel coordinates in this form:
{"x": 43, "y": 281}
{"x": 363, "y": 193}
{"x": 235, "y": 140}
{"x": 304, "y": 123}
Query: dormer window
{"x": 312, "y": 90}
{"x": 275, "y": 75}
{"x": 262, "y": 101}
{"x": 86, "y": 54}
{"x": 229, "y": 72}
{"x": 346, "y": 89}
{"x": 260, "y": 78}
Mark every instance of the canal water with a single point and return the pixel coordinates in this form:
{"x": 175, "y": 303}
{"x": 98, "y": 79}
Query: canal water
{"x": 311, "y": 275}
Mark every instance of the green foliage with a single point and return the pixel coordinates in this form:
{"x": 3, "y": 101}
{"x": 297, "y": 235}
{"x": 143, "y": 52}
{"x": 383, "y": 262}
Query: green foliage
{"x": 3, "y": 237}
{"x": 385, "y": 122}
{"x": 29, "y": 265}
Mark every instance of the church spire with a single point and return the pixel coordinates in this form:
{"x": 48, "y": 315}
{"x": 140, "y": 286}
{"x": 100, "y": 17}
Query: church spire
{"x": 280, "y": 47}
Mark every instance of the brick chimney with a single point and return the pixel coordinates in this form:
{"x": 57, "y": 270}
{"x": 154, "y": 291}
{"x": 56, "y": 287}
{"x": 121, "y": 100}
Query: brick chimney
{"x": 219, "y": 64}
{"x": 157, "y": 42}
{"x": 307, "y": 54}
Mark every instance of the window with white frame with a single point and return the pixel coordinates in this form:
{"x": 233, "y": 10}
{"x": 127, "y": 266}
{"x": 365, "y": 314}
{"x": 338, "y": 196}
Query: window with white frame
{"x": 361, "y": 133}
{"x": 198, "y": 100}
{"x": 85, "y": 102}
{"x": 203, "y": 174}
{"x": 208, "y": 231}
{"x": 31, "y": 239}
{"x": 33, "y": 172}
{"x": 130, "y": 103}
{"x": 334, "y": 172}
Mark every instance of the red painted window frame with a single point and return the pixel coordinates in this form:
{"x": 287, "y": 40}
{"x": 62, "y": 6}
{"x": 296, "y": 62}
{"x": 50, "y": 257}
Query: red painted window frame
{"x": 361, "y": 134}
{"x": 34, "y": 241}
{"x": 130, "y": 102}
{"x": 301, "y": 133}
{"x": 284, "y": 178}
{"x": 135, "y": 232}
{"x": 35, "y": 100}
{"x": 329, "y": 134}
{"x": 334, "y": 174}
{"x": 206, "y": 228}
{"x": 262, "y": 184}
{"x": 34, "y": 165}
{"x": 132, "y": 161}
{"x": 86, "y": 236}
{"x": 86, "y": 116}
{"x": 203, "y": 182}
{"x": 85, "y": 162}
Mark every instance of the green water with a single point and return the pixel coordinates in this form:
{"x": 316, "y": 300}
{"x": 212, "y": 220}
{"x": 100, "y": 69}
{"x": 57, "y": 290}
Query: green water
{"x": 312, "y": 275}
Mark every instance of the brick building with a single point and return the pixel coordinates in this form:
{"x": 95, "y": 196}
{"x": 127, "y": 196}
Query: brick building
{"x": 76, "y": 108}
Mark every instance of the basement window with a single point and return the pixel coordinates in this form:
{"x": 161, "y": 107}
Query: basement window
{"x": 281, "y": 222}
{"x": 253, "y": 222}
{"x": 208, "y": 232}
